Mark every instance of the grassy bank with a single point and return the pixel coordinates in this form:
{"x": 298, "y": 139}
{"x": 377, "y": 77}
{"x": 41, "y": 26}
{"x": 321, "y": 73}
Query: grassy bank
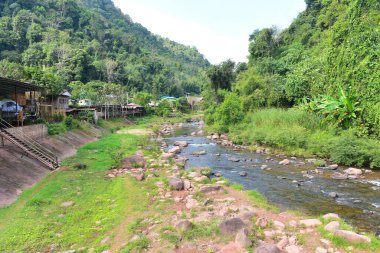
{"x": 300, "y": 133}
{"x": 38, "y": 221}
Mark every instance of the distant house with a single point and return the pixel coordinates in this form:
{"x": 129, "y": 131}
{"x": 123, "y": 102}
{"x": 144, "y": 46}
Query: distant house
{"x": 55, "y": 104}
{"x": 85, "y": 102}
{"x": 167, "y": 98}
{"x": 61, "y": 101}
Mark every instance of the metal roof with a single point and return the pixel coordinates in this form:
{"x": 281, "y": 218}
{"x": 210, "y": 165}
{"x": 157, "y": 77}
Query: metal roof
{"x": 8, "y": 86}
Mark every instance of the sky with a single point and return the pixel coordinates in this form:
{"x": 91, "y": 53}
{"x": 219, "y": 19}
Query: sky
{"x": 219, "y": 29}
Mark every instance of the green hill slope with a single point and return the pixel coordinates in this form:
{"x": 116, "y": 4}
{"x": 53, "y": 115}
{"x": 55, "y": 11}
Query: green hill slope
{"x": 53, "y": 43}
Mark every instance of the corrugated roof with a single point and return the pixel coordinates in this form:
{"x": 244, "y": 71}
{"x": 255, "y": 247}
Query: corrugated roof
{"x": 8, "y": 86}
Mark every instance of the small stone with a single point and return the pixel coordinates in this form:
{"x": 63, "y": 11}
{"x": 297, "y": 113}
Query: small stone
{"x": 332, "y": 226}
{"x": 210, "y": 189}
{"x": 175, "y": 150}
{"x": 311, "y": 223}
{"x": 284, "y": 162}
{"x": 181, "y": 144}
{"x": 333, "y": 195}
{"x": 243, "y": 174}
{"x": 292, "y": 249}
{"x": 325, "y": 242}
{"x": 278, "y": 225}
{"x": 234, "y": 159}
{"x": 176, "y": 183}
{"x": 191, "y": 203}
{"x": 321, "y": 250}
{"x": 187, "y": 184}
{"x": 333, "y": 167}
{"x": 293, "y": 223}
{"x": 283, "y": 243}
{"x": 339, "y": 176}
{"x": 262, "y": 222}
{"x": 331, "y": 216}
{"x": 185, "y": 225}
{"x": 353, "y": 171}
{"x": 67, "y": 203}
{"x": 267, "y": 248}
{"x": 242, "y": 238}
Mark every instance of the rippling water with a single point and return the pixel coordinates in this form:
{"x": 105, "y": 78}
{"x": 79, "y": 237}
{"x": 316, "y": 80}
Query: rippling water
{"x": 358, "y": 201}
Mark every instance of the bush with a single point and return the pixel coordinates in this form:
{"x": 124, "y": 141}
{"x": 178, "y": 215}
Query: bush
{"x": 71, "y": 123}
{"x": 56, "y": 128}
{"x": 228, "y": 113}
{"x": 58, "y": 117}
{"x": 164, "y": 109}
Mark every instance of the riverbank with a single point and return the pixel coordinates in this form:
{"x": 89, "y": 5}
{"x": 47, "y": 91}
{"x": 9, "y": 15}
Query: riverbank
{"x": 149, "y": 203}
{"x": 298, "y": 133}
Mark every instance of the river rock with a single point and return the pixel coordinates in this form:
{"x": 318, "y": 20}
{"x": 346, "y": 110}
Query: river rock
{"x": 210, "y": 189}
{"x": 339, "y": 176}
{"x": 187, "y": 184}
{"x": 176, "y": 183}
{"x": 331, "y": 216}
{"x": 292, "y": 249}
{"x": 243, "y": 174}
{"x": 333, "y": 166}
{"x": 167, "y": 156}
{"x": 311, "y": 223}
{"x": 185, "y": 225}
{"x": 191, "y": 203}
{"x": 333, "y": 195}
{"x": 284, "y": 162}
{"x": 352, "y": 236}
{"x": 202, "y": 178}
{"x": 218, "y": 174}
{"x": 353, "y": 171}
{"x": 175, "y": 150}
{"x": 267, "y": 248}
{"x": 283, "y": 243}
{"x": 181, "y": 144}
{"x": 231, "y": 226}
{"x": 321, "y": 250}
{"x": 242, "y": 238}
{"x": 198, "y": 153}
{"x": 234, "y": 159}
{"x": 215, "y": 136}
{"x": 278, "y": 224}
{"x": 332, "y": 226}
{"x": 262, "y": 222}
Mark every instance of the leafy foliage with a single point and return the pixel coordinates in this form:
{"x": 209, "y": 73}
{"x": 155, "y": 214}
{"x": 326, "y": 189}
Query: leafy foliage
{"x": 55, "y": 43}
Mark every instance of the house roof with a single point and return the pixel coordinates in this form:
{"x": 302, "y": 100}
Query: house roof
{"x": 65, "y": 94}
{"x": 9, "y": 86}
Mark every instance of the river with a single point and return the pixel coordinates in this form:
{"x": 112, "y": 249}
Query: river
{"x": 358, "y": 200}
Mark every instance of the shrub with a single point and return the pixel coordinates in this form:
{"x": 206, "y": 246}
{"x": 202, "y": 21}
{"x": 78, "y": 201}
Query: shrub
{"x": 164, "y": 109}
{"x": 71, "y": 123}
{"x": 56, "y": 128}
{"x": 228, "y": 113}
{"x": 58, "y": 117}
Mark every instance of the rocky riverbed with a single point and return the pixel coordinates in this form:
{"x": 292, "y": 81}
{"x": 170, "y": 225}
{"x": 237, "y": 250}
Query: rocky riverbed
{"x": 293, "y": 183}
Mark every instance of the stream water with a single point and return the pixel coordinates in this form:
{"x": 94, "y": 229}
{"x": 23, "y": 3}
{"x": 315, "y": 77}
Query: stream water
{"x": 358, "y": 202}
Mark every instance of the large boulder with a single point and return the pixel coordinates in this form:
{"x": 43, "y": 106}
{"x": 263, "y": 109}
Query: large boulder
{"x": 231, "y": 226}
{"x": 135, "y": 161}
{"x": 353, "y": 171}
{"x": 267, "y": 248}
{"x": 167, "y": 156}
{"x": 176, "y": 183}
{"x": 352, "y": 236}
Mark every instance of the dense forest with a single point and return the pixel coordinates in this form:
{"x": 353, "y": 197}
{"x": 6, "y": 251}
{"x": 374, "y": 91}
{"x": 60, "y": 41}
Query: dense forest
{"x": 325, "y": 66}
{"x": 72, "y": 43}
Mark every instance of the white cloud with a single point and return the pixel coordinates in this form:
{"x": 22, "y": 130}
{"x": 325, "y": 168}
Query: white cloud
{"x": 215, "y": 46}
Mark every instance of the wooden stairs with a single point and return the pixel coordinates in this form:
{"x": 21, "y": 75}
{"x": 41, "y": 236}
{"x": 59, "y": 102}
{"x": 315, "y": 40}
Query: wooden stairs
{"x": 27, "y": 144}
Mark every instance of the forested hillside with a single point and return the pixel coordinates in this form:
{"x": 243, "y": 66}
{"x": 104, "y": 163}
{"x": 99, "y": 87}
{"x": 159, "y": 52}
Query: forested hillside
{"x": 54, "y": 43}
{"x": 326, "y": 66}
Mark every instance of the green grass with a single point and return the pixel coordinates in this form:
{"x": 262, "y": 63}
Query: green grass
{"x": 297, "y": 132}
{"x": 373, "y": 246}
{"x": 37, "y": 220}
{"x": 260, "y": 201}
